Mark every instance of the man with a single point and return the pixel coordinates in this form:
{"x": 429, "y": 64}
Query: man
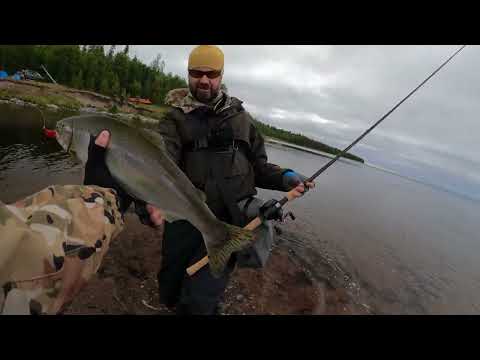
{"x": 213, "y": 140}
{"x": 64, "y": 232}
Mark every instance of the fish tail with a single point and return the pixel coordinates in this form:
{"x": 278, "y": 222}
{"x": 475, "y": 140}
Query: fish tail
{"x": 238, "y": 239}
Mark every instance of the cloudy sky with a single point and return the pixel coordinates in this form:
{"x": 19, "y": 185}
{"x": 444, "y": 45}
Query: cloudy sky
{"x": 333, "y": 93}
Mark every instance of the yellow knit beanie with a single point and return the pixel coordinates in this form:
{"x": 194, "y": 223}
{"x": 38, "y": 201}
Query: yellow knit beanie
{"x": 206, "y": 56}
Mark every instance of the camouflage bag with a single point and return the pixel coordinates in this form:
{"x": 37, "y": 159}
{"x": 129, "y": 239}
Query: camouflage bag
{"x": 51, "y": 243}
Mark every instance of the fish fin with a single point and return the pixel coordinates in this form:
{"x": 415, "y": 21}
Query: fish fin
{"x": 154, "y": 137}
{"x": 237, "y": 239}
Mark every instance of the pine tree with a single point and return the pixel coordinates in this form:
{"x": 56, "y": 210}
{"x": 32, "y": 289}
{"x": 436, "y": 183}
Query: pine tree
{"x": 111, "y": 51}
{"x": 136, "y": 88}
{"x": 77, "y": 81}
{"x": 105, "y": 86}
{"x": 158, "y": 64}
{"x": 90, "y": 83}
{"x": 115, "y": 87}
{"x": 91, "y": 67}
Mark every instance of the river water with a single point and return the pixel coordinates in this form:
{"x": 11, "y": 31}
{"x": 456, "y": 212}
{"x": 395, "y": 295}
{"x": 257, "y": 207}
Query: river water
{"x": 404, "y": 247}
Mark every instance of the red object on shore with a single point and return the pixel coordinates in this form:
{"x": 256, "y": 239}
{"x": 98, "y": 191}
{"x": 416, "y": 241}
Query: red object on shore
{"x": 140, "y": 101}
{"x": 52, "y": 134}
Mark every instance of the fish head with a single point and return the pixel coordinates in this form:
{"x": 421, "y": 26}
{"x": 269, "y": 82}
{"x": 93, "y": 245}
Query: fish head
{"x": 64, "y": 131}
{"x": 74, "y": 138}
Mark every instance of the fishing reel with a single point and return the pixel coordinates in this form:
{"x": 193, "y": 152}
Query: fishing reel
{"x": 272, "y": 210}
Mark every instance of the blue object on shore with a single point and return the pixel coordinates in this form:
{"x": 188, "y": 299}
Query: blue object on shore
{"x": 3, "y": 74}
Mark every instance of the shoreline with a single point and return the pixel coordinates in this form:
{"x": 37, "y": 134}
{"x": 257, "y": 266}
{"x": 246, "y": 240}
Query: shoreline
{"x": 126, "y": 283}
{"x": 310, "y": 151}
{"x": 57, "y": 98}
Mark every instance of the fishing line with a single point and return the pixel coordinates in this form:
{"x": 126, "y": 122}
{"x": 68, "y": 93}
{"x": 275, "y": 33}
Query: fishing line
{"x": 343, "y": 152}
{"x": 384, "y": 116}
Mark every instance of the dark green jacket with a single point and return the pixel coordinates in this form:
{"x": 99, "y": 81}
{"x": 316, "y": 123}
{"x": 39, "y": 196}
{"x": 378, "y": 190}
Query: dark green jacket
{"x": 192, "y": 139}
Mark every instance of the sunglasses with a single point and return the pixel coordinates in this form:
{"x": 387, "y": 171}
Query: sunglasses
{"x": 197, "y": 74}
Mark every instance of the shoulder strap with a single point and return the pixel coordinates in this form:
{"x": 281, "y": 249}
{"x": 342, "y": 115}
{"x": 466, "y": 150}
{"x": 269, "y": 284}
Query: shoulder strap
{"x": 227, "y": 195}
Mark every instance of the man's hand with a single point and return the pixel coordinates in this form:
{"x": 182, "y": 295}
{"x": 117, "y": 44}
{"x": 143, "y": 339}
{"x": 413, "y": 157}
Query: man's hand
{"x": 97, "y": 173}
{"x": 103, "y": 139}
{"x": 156, "y": 215}
{"x": 72, "y": 283}
{"x": 299, "y": 190}
{"x": 296, "y": 183}
{"x": 149, "y": 214}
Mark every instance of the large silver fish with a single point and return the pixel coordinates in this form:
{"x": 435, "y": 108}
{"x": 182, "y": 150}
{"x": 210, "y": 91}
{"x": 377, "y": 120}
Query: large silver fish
{"x": 139, "y": 162}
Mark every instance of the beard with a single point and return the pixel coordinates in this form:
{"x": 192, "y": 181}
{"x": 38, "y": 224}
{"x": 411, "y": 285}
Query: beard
{"x": 204, "y": 95}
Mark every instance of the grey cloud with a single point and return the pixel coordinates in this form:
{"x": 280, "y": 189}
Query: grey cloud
{"x": 352, "y": 86}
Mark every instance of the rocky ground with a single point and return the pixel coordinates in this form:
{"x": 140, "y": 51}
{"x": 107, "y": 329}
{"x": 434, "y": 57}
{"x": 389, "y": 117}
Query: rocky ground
{"x": 126, "y": 283}
{"x": 52, "y": 96}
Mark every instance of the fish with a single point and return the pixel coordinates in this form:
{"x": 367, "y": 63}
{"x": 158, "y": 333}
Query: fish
{"x": 139, "y": 162}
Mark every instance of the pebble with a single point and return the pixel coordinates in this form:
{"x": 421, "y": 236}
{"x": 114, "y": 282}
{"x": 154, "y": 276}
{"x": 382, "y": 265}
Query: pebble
{"x": 239, "y": 297}
{"x": 88, "y": 109}
{"x": 53, "y": 107}
{"x": 18, "y": 102}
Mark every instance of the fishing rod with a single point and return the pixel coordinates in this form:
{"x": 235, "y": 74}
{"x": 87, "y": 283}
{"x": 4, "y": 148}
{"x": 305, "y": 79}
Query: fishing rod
{"x": 331, "y": 162}
{"x": 290, "y": 196}
{"x": 48, "y": 133}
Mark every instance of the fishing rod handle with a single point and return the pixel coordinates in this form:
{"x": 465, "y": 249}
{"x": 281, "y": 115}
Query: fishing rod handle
{"x": 252, "y": 225}
{"x": 289, "y": 197}
{"x": 197, "y": 266}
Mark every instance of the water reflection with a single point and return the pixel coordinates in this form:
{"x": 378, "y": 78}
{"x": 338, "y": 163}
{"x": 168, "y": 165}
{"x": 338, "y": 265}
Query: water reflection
{"x": 28, "y": 160}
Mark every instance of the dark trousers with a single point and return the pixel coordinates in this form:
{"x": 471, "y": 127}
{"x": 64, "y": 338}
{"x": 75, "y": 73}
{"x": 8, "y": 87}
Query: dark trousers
{"x": 199, "y": 294}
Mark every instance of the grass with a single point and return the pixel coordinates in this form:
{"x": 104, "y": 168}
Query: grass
{"x": 62, "y": 101}
{"x": 153, "y": 111}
